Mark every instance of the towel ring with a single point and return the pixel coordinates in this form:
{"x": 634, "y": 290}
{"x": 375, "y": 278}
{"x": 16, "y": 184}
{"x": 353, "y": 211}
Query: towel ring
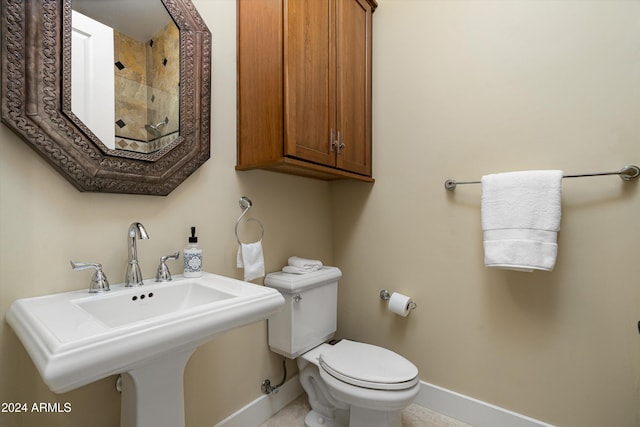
{"x": 245, "y": 204}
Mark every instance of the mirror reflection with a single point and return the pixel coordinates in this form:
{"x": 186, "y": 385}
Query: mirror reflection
{"x": 126, "y": 73}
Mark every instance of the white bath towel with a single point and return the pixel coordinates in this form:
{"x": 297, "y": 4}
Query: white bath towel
{"x": 251, "y": 258}
{"x": 299, "y": 265}
{"x": 521, "y": 219}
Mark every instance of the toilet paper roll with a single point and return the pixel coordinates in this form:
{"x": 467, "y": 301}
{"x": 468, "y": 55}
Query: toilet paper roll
{"x": 399, "y": 304}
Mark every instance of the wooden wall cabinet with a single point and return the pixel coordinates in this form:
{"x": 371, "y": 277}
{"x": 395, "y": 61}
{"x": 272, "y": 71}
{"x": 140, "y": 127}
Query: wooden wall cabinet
{"x": 304, "y": 87}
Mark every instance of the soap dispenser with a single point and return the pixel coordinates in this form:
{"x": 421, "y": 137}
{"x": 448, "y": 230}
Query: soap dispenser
{"x": 193, "y": 257}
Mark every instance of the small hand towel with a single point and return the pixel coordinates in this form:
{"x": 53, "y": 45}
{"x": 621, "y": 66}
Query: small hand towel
{"x": 304, "y": 263}
{"x": 298, "y": 265}
{"x": 297, "y": 270}
{"x": 521, "y": 219}
{"x": 250, "y": 258}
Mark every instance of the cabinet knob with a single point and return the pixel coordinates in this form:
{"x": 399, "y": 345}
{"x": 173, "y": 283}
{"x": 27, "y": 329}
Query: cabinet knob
{"x": 340, "y": 143}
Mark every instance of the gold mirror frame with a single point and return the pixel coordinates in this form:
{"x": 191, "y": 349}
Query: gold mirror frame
{"x": 36, "y": 45}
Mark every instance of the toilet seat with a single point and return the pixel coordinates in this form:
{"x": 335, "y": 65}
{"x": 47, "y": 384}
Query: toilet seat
{"x": 368, "y": 366}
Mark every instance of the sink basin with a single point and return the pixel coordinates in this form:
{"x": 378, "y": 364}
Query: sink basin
{"x": 146, "y": 305}
{"x": 76, "y": 338}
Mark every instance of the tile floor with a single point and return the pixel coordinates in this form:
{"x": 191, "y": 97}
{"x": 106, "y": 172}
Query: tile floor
{"x": 414, "y": 416}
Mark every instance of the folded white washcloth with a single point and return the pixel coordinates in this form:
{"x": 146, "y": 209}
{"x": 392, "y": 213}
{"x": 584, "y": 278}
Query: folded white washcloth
{"x": 297, "y": 270}
{"x": 251, "y": 258}
{"x": 298, "y": 265}
{"x": 521, "y": 219}
{"x": 304, "y": 263}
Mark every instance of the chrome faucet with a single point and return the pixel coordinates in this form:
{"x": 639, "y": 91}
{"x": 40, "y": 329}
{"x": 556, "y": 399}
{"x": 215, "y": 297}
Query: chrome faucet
{"x": 134, "y": 275}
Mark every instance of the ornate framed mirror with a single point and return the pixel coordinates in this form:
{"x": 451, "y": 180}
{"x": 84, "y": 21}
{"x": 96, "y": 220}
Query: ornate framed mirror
{"x": 170, "y": 130}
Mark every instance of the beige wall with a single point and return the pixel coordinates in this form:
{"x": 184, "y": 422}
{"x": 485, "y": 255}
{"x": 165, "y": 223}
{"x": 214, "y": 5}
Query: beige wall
{"x": 460, "y": 89}
{"x": 45, "y": 222}
{"x": 466, "y": 88}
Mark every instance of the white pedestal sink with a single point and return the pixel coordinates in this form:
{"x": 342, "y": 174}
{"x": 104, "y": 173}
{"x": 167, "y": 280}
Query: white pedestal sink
{"x": 147, "y": 333}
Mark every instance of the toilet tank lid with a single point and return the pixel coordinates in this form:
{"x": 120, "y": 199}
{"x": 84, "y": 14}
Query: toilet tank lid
{"x": 290, "y": 283}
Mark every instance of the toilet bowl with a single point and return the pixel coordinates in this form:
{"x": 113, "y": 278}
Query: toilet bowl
{"x": 348, "y": 383}
{"x": 371, "y": 383}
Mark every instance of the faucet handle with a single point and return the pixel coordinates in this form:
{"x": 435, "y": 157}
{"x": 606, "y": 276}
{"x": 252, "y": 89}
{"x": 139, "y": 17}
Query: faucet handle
{"x": 99, "y": 282}
{"x": 163, "y": 274}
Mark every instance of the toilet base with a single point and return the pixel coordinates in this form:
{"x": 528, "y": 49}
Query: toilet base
{"x": 315, "y": 419}
{"x": 357, "y": 417}
{"x": 361, "y": 417}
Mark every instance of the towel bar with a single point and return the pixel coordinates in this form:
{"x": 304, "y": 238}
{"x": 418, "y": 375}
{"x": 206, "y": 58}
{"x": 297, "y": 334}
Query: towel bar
{"x": 627, "y": 173}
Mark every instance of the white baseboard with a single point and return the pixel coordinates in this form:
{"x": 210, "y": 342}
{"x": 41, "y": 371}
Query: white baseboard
{"x": 446, "y": 402}
{"x": 470, "y": 410}
{"x": 264, "y": 407}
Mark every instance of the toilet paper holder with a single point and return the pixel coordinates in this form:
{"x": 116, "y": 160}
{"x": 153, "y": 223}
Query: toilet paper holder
{"x": 386, "y": 296}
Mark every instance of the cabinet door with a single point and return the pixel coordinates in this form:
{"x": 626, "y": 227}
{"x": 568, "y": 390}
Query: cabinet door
{"x": 353, "y": 39}
{"x": 309, "y": 80}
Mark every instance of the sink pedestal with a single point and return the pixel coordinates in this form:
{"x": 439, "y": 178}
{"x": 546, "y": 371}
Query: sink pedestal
{"x": 153, "y": 394}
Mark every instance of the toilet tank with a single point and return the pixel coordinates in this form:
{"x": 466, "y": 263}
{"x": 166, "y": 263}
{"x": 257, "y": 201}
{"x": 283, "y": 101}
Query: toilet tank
{"x": 309, "y": 316}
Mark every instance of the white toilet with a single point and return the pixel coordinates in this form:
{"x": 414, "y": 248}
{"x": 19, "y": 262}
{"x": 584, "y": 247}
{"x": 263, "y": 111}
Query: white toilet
{"x": 348, "y": 383}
